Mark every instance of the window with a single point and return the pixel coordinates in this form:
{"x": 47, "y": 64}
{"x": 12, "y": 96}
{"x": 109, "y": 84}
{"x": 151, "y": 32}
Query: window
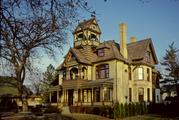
{"x": 130, "y": 94}
{"x": 147, "y": 57}
{"x": 54, "y": 97}
{"x": 64, "y": 75}
{"x": 74, "y": 74}
{"x": 84, "y": 73}
{"x": 79, "y": 95}
{"x": 93, "y": 37}
{"x": 140, "y": 73}
{"x": 80, "y": 37}
{"x": 102, "y": 71}
{"x": 148, "y": 94}
{"x": 106, "y": 94}
{"x": 101, "y": 52}
{"x": 96, "y": 94}
{"x": 141, "y": 94}
{"x": 130, "y": 76}
{"x": 148, "y": 74}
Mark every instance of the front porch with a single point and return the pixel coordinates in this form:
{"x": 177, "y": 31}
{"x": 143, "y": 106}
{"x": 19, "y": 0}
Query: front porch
{"x": 90, "y": 93}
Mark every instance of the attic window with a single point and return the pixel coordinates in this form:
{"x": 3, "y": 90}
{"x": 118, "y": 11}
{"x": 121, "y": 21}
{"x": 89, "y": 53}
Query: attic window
{"x": 101, "y": 52}
{"x": 147, "y": 57}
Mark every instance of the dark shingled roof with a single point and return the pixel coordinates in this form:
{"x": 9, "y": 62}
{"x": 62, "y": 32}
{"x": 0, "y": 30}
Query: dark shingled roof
{"x": 136, "y": 51}
{"x": 79, "y": 56}
{"x": 85, "y": 24}
{"x": 113, "y": 51}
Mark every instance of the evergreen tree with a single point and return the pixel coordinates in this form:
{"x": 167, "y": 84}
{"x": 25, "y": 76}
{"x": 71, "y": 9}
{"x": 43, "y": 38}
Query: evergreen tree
{"x": 116, "y": 110}
{"x": 171, "y": 63}
{"x": 122, "y": 111}
{"x": 48, "y": 77}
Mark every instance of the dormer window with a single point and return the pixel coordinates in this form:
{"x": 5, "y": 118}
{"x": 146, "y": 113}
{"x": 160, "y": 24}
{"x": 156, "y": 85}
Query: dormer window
{"x": 101, "y": 52}
{"x": 147, "y": 57}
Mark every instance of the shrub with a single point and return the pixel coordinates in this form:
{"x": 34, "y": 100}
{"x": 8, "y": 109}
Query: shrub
{"x": 130, "y": 113}
{"x": 116, "y": 110}
{"x": 122, "y": 111}
{"x": 52, "y": 109}
{"x": 126, "y": 109}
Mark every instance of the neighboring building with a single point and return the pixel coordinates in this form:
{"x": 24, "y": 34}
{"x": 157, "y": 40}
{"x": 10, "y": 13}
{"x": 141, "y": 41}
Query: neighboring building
{"x": 102, "y": 73}
{"x": 8, "y": 90}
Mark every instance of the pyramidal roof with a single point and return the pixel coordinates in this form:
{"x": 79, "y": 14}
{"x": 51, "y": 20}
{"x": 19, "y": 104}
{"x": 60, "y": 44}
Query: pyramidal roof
{"x": 86, "y": 24}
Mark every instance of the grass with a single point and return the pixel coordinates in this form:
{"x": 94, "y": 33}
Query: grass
{"x": 77, "y": 116}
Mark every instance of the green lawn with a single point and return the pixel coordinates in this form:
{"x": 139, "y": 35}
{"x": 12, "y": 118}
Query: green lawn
{"x": 77, "y": 116}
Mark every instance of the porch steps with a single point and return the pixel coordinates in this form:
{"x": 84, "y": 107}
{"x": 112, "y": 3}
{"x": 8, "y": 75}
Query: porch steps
{"x": 66, "y": 110}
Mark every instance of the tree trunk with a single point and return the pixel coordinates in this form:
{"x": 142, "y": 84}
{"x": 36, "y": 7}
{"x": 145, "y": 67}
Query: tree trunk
{"x": 23, "y": 96}
{"x": 24, "y": 104}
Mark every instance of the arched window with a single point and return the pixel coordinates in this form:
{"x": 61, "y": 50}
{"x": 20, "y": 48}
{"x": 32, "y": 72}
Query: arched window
{"x": 141, "y": 94}
{"x": 84, "y": 73}
{"x": 102, "y": 71}
{"x": 64, "y": 75}
{"x": 74, "y": 74}
{"x": 93, "y": 37}
{"x": 80, "y": 37}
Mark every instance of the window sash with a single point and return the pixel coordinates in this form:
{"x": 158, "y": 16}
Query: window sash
{"x": 101, "y": 52}
{"x": 141, "y": 94}
{"x": 102, "y": 71}
{"x": 147, "y": 57}
{"x": 148, "y": 74}
{"x": 130, "y": 94}
{"x": 140, "y": 73}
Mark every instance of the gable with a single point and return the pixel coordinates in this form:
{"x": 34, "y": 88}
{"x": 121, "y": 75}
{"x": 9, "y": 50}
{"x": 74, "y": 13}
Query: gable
{"x": 70, "y": 57}
{"x": 74, "y": 55}
{"x": 137, "y": 51}
{"x": 153, "y": 56}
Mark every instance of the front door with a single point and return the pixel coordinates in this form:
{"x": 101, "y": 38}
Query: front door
{"x": 70, "y": 97}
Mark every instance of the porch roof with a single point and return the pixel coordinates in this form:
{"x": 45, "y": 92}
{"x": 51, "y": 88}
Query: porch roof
{"x": 89, "y": 84}
{"x": 55, "y": 88}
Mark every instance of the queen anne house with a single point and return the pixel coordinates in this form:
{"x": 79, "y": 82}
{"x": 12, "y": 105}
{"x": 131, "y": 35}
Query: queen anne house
{"x": 102, "y": 73}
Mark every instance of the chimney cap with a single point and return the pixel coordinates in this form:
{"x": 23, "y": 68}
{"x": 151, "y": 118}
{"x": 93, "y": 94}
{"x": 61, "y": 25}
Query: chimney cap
{"x": 123, "y": 24}
{"x": 133, "y": 39}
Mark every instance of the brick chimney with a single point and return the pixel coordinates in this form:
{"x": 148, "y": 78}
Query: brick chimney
{"x": 123, "y": 40}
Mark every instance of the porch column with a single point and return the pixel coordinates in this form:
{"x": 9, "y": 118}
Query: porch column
{"x": 101, "y": 94}
{"x": 92, "y": 96}
{"x": 67, "y": 96}
{"x": 77, "y": 100}
{"x": 57, "y": 96}
{"x": 81, "y": 93}
{"x": 67, "y": 74}
{"x": 64, "y": 96}
{"x": 50, "y": 97}
{"x": 79, "y": 72}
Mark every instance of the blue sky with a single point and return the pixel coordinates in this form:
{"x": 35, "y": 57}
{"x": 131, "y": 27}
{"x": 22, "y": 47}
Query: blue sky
{"x": 156, "y": 19}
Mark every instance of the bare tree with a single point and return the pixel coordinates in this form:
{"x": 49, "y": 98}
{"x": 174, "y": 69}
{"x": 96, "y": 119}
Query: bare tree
{"x": 30, "y": 28}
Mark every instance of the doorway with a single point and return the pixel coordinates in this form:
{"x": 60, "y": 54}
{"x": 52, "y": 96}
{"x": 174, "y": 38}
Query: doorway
{"x": 70, "y": 97}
